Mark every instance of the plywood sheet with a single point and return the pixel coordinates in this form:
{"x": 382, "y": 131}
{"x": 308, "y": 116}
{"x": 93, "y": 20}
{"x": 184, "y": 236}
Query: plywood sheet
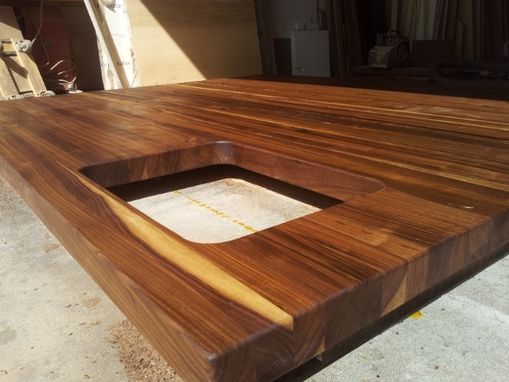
{"x": 178, "y": 41}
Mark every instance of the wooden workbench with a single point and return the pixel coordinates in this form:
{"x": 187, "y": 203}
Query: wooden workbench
{"x": 421, "y": 184}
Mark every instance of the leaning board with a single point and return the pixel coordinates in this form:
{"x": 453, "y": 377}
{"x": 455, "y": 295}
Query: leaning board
{"x": 423, "y": 182}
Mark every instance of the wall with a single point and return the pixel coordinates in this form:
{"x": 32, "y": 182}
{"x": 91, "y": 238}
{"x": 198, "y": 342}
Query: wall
{"x": 179, "y": 41}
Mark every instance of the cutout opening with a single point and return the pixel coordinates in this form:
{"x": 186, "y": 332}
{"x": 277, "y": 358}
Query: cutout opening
{"x": 214, "y": 174}
{"x": 220, "y": 203}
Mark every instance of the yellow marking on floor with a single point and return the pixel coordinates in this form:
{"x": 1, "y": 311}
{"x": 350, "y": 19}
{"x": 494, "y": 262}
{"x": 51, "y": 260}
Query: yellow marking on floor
{"x": 216, "y": 212}
{"x": 417, "y": 315}
{"x": 248, "y": 228}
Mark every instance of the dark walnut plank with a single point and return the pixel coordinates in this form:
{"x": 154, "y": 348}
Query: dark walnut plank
{"x": 422, "y": 184}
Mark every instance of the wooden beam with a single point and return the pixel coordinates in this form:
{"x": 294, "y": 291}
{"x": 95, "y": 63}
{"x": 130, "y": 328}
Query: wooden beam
{"x": 33, "y": 75}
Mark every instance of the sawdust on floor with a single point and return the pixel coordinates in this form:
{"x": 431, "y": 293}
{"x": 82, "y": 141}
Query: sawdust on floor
{"x": 50, "y": 247}
{"x": 141, "y": 361}
{"x": 90, "y": 302}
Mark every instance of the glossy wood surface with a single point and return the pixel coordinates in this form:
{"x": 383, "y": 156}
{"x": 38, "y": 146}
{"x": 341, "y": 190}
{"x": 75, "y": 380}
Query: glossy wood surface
{"x": 424, "y": 182}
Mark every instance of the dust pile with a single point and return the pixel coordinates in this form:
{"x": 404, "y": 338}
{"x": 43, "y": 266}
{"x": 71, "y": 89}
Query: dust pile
{"x": 141, "y": 361}
{"x": 50, "y": 247}
{"x": 91, "y": 302}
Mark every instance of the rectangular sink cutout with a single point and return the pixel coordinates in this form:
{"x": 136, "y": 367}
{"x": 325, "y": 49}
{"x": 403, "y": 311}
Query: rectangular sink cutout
{"x": 220, "y": 203}
{"x": 219, "y": 191}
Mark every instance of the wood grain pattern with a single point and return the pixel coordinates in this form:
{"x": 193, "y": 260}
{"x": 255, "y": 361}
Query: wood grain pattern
{"x": 424, "y": 181}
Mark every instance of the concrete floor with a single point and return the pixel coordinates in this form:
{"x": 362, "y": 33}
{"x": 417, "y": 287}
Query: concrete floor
{"x": 57, "y": 325}
{"x": 232, "y": 208}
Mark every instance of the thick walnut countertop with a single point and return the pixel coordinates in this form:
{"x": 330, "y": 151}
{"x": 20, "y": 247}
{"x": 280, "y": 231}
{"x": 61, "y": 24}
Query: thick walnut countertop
{"x": 424, "y": 181}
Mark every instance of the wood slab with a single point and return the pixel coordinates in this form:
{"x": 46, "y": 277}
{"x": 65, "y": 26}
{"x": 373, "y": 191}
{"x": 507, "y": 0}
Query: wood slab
{"x": 423, "y": 182}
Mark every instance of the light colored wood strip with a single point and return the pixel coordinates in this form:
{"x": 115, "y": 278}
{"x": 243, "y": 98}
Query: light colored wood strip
{"x": 190, "y": 261}
{"x": 11, "y": 82}
{"x": 8, "y": 88}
